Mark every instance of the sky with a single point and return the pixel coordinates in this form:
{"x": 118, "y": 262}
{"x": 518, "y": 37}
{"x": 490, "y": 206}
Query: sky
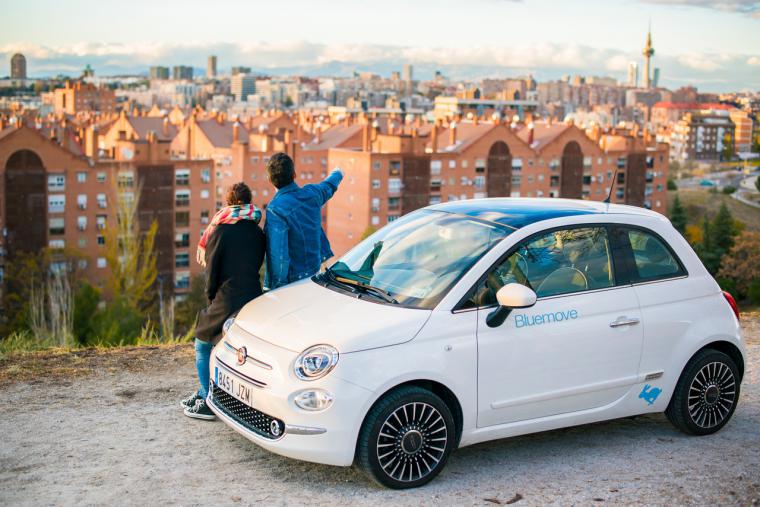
{"x": 714, "y": 45}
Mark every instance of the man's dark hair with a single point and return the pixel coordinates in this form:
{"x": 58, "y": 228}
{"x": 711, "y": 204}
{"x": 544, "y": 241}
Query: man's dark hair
{"x": 239, "y": 194}
{"x": 280, "y": 170}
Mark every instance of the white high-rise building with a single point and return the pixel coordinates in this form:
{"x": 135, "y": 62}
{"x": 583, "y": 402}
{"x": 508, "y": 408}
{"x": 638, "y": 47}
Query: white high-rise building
{"x": 242, "y": 85}
{"x": 406, "y": 73}
{"x": 633, "y": 74}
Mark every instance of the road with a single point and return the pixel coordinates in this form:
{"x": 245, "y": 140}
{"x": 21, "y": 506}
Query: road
{"x": 117, "y": 437}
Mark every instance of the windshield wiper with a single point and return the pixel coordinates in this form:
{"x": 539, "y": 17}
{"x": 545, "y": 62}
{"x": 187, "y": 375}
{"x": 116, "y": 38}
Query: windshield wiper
{"x": 331, "y": 278}
{"x": 377, "y": 291}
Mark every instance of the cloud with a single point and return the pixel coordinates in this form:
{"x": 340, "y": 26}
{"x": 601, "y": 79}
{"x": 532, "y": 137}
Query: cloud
{"x": 545, "y": 60}
{"x": 750, "y": 7}
{"x": 699, "y": 62}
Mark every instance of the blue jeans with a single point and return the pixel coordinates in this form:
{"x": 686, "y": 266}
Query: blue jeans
{"x": 202, "y": 360}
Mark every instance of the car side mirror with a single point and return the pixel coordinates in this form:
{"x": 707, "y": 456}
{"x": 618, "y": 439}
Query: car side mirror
{"x": 509, "y": 297}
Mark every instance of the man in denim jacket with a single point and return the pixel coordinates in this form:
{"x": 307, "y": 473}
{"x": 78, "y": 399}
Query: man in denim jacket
{"x": 296, "y": 243}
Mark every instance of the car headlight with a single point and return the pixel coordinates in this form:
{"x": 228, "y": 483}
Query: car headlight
{"x": 313, "y": 400}
{"x": 227, "y": 325}
{"x": 316, "y": 362}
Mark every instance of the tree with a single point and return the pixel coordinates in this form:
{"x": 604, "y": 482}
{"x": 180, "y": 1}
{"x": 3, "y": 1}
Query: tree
{"x": 728, "y": 147}
{"x": 51, "y": 308}
{"x": 672, "y": 184}
{"x": 717, "y": 239}
{"x": 131, "y": 255}
{"x": 678, "y": 216}
{"x": 36, "y": 285}
{"x": 757, "y": 183}
{"x": 742, "y": 264}
{"x": 724, "y": 230}
{"x": 706, "y": 249}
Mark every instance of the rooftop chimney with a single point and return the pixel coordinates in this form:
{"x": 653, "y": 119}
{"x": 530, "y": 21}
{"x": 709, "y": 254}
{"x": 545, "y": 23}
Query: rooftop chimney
{"x": 530, "y": 133}
{"x": 235, "y": 132}
{"x": 91, "y": 142}
{"x": 289, "y": 143}
{"x": 365, "y": 137}
{"x": 452, "y": 133}
{"x": 165, "y": 127}
{"x": 434, "y": 137}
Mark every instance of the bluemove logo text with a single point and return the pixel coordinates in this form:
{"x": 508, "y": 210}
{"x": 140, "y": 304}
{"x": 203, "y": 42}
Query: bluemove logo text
{"x": 545, "y": 318}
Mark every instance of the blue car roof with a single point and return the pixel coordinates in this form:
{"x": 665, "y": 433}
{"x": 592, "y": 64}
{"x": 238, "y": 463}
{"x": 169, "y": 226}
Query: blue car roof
{"x": 517, "y": 212}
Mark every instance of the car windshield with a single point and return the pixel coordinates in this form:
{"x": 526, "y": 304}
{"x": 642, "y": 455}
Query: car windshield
{"x": 415, "y": 260}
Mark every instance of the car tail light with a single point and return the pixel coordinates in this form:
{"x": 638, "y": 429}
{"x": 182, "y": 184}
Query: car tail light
{"x": 732, "y": 303}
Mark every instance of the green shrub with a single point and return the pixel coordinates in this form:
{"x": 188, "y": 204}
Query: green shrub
{"x": 753, "y": 293}
{"x": 729, "y": 189}
{"x": 672, "y": 184}
{"x": 86, "y": 302}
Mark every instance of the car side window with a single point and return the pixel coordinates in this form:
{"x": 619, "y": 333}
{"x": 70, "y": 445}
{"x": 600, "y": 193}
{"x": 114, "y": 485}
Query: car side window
{"x": 652, "y": 259}
{"x": 558, "y": 262}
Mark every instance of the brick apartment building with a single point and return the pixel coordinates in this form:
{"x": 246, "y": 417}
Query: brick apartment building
{"x": 701, "y": 135}
{"x": 81, "y": 97}
{"x": 64, "y": 197}
{"x": 59, "y": 181}
{"x": 393, "y": 174}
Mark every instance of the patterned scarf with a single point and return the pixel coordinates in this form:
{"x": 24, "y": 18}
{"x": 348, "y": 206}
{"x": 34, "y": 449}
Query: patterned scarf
{"x": 226, "y": 215}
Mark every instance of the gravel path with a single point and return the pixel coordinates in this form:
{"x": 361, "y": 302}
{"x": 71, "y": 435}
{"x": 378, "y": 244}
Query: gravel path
{"x": 120, "y": 439}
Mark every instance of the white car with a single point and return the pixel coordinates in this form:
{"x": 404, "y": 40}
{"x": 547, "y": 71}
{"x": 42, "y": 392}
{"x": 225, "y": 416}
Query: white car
{"x": 477, "y": 320}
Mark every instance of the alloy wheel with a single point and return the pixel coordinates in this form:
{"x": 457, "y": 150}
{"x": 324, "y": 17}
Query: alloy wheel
{"x": 712, "y": 394}
{"x": 412, "y": 442}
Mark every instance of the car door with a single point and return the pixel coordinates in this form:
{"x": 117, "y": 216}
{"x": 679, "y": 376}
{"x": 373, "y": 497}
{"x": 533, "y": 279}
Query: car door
{"x": 577, "y": 348}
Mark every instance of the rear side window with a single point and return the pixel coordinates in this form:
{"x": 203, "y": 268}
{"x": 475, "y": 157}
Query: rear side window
{"x": 652, "y": 259}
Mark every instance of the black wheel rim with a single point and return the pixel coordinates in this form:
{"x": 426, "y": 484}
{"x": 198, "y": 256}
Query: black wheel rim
{"x": 412, "y": 442}
{"x": 712, "y": 394}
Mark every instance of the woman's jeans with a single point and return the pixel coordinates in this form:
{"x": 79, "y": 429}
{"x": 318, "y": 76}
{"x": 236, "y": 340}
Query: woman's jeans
{"x": 202, "y": 360}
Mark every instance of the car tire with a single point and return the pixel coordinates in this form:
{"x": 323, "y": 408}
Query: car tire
{"x": 706, "y": 393}
{"x": 406, "y": 438}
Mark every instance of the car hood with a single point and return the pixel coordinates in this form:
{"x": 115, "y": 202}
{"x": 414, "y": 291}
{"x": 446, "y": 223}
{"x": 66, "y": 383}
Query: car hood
{"x": 305, "y": 313}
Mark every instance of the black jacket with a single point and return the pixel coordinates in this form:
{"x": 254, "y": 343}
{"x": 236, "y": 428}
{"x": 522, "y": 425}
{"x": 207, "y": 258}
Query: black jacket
{"x": 234, "y": 254}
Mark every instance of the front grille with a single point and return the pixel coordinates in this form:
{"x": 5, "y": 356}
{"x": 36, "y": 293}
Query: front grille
{"x": 248, "y": 417}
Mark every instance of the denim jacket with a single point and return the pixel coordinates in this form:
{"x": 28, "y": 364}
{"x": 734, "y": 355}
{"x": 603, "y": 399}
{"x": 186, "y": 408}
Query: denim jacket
{"x": 296, "y": 242}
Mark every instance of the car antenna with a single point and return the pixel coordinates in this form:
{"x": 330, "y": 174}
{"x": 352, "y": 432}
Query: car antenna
{"x": 612, "y": 187}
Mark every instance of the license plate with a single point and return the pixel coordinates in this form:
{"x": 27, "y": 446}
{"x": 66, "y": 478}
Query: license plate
{"x": 233, "y": 386}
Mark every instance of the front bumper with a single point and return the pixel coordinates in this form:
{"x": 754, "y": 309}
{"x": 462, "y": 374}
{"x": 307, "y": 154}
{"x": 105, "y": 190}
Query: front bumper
{"x": 327, "y": 437}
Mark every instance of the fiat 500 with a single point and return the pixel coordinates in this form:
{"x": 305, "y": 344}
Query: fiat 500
{"x": 478, "y": 320}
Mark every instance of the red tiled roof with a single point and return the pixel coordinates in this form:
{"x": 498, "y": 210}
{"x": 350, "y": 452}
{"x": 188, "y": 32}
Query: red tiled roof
{"x": 144, "y": 124}
{"x": 334, "y": 137}
{"x": 467, "y": 133}
{"x": 543, "y": 133}
{"x": 220, "y": 134}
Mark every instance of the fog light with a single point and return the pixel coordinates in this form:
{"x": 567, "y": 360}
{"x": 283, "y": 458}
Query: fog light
{"x": 313, "y": 400}
{"x": 274, "y": 428}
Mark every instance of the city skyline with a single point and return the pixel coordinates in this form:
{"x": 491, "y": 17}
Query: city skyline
{"x": 712, "y": 48}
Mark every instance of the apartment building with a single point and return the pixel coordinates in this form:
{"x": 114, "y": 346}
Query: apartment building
{"x": 701, "y": 135}
{"x": 743, "y": 130}
{"x": 56, "y": 198}
{"x": 81, "y": 97}
{"x": 395, "y": 173}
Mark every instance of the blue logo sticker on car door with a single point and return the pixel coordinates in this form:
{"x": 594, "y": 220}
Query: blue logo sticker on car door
{"x": 650, "y": 394}
{"x": 524, "y": 320}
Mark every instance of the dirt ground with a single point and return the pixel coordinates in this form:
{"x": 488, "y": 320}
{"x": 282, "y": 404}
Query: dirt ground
{"x": 104, "y": 427}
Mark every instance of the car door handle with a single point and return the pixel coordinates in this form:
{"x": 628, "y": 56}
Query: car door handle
{"x": 624, "y": 321}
